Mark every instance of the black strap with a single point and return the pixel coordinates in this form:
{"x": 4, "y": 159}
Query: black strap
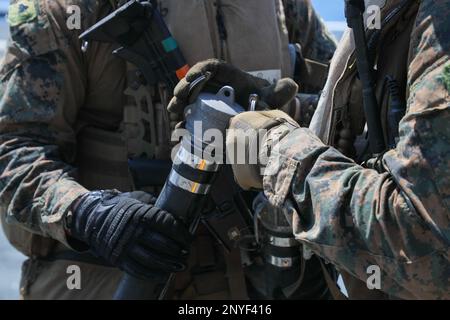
{"x": 334, "y": 289}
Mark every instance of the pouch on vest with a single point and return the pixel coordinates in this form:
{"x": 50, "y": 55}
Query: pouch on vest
{"x": 102, "y": 160}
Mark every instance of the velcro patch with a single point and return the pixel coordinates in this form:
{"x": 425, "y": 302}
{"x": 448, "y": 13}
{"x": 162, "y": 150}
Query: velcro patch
{"x": 21, "y": 11}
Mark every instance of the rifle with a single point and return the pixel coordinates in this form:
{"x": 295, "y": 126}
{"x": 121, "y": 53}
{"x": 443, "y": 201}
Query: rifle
{"x": 144, "y": 40}
{"x": 354, "y": 13}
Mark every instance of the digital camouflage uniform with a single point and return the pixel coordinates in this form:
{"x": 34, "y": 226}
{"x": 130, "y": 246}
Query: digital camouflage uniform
{"x": 316, "y": 41}
{"x": 51, "y": 92}
{"x": 396, "y": 217}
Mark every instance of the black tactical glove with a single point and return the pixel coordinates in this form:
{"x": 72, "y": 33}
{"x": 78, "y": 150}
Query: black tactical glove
{"x": 211, "y": 75}
{"x": 139, "y": 238}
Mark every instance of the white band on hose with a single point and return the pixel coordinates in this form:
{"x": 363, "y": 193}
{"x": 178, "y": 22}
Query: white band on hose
{"x": 188, "y": 185}
{"x": 196, "y": 162}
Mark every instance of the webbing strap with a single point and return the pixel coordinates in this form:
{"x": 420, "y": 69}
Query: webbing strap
{"x": 334, "y": 289}
{"x": 235, "y": 275}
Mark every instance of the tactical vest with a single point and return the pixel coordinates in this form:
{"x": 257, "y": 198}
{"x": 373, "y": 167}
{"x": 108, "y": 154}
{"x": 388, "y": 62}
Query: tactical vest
{"x": 339, "y": 118}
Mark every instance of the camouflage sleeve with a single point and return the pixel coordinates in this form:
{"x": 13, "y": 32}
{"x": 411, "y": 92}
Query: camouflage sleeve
{"x": 307, "y": 28}
{"x": 397, "y": 220}
{"x": 41, "y": 86}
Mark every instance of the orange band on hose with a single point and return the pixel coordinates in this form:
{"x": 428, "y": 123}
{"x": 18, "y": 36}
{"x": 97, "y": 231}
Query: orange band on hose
{"x": 181, "y": 73}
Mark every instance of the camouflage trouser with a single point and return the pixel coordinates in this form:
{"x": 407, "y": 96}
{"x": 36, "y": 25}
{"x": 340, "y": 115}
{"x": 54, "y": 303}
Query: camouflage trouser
{"x": 50, "y": 280}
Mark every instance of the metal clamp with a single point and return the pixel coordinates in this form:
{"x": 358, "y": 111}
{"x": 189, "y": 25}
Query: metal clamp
{"x": 188, "y": 185}
{"x": 196, "y": 162}
{"x": 253, "y": 100}
{"x": 283, "y": 242}
{"x": 282, "y": 262}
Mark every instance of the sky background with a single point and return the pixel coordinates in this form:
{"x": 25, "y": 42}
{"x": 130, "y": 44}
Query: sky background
{"x": 332, "y": 11}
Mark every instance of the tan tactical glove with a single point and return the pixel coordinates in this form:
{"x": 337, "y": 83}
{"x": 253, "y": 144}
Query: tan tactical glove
{"x": 211, "y": 75}
{"x": 251, "y": 139}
